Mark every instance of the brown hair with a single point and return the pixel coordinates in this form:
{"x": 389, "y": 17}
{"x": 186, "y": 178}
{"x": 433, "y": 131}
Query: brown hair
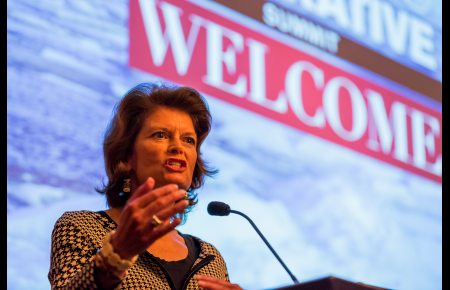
{"x": 128, "y": 119}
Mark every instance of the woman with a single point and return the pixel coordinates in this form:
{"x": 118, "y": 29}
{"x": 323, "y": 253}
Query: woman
{"x": 153, "y": 165}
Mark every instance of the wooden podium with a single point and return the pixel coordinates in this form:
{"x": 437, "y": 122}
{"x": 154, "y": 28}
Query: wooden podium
{"x": 330, "y": 283}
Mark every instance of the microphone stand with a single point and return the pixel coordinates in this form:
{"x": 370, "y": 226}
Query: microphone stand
{"x": 267, "y": 243}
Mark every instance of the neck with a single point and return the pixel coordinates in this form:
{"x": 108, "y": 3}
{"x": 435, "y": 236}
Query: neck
{"x": 114, "y": 213}
{"x": 170, "y": 247}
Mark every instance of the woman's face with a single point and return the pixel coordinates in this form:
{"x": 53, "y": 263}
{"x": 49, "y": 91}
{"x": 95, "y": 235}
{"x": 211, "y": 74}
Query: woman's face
{"x": 165, "y": 149}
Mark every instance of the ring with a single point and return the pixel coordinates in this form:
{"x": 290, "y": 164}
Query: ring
{"x": 156, "y": 221}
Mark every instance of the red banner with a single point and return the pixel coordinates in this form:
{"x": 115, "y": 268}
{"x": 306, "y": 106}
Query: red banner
{"x": 188, "y": 44}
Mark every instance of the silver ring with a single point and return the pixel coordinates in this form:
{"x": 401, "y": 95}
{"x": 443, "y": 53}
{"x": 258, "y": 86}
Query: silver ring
{"x": 156, "y": 221}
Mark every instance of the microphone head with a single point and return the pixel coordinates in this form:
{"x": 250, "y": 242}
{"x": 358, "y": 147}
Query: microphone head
{"x": 218, "y": 208}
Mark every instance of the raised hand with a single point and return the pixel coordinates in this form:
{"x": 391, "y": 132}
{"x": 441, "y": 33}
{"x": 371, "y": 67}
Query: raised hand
{"x": 136, "y": 231}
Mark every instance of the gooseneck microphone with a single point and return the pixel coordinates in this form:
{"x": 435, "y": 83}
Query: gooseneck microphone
{"x": 222, "y": 209}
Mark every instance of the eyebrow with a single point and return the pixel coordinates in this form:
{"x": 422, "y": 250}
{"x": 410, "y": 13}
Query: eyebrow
{"x": 158, "y": 127}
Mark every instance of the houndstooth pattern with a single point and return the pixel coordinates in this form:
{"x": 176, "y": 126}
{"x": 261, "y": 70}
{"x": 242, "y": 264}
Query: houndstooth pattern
{"x": 76, "y": 237}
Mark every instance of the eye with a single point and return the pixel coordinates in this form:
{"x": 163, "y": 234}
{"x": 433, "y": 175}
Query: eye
{"x": 190, "y": 140}
{"x": 160, "y": 135}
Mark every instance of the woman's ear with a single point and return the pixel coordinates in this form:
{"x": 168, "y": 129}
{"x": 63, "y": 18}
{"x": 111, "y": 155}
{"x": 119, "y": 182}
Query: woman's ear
{"x": 124, "y": 166}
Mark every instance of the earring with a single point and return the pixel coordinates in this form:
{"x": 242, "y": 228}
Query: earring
{"x": 126, "y": 185}
{"x": 126, "y": 188}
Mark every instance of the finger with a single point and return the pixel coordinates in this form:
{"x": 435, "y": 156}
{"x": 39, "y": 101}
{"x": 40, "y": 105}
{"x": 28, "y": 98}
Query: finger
{"x": 162, "y": 229}
{"x": 209, "y": 285}
{"x": 165, "y": 203}
{"x": 141, "y": 190}
{"x": 176, "y": 208}
{"x": 207, "y": 282}
{"x": 156, "y": 194}
{"x": 133, "y": 203}
{"x": 166, "y": 214}
{"x": 136, "y": 216}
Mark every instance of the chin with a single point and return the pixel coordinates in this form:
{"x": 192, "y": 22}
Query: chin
{"x": 181, "y": 182}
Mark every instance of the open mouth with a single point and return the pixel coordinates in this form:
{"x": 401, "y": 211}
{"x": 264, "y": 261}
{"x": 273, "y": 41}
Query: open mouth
{"x": 175, "y": 164}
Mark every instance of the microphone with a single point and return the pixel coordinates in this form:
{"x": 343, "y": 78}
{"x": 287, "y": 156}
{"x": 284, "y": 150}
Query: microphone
{"x": 222, "y": 209}
{"x": 218, "y": 208}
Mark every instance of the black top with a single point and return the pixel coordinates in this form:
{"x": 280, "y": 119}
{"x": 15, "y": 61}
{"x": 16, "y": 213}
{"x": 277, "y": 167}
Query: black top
{"x": 179, "y": 270}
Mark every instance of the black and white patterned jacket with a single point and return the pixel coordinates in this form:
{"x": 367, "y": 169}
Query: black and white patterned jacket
{"x": 77, "y": 236}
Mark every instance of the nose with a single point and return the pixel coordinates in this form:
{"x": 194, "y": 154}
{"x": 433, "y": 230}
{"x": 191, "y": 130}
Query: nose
{"x": 175, "y": 146}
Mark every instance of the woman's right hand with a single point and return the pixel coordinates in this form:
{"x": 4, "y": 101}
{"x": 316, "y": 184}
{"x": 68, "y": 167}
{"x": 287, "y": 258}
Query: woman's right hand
{"x": 135, "y": 231}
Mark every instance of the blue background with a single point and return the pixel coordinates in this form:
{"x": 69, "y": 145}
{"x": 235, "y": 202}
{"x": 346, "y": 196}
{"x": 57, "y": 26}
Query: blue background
{"x": 327, "y": 210}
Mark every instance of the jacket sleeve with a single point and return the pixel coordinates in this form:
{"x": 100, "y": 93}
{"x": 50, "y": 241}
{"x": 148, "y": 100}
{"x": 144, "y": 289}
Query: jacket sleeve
{"x": 217, "y": 267}
{"x": 71, "y": 258}
{"x": 222, "y": 267}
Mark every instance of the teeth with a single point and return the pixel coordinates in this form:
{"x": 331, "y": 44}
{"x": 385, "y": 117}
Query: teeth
{"x": 174, "y": 163}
